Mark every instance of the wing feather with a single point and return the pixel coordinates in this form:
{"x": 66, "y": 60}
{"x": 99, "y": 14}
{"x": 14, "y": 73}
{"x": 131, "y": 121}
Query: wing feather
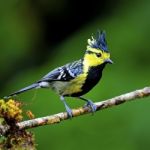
{"x": 64, "y": 73}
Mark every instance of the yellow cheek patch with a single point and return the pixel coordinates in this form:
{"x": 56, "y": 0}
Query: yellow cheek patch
{"x": 91, "y": 58}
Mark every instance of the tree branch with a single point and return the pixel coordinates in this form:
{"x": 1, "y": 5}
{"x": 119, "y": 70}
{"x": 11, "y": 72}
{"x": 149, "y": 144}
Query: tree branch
{"x": 57, "y": 118}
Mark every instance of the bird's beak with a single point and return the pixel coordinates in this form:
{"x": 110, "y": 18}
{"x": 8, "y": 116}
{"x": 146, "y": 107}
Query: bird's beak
{"x": 109, "y": 61}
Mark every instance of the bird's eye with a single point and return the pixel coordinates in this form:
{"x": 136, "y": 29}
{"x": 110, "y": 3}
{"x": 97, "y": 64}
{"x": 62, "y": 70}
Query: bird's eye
{"x": 98, "y": 54}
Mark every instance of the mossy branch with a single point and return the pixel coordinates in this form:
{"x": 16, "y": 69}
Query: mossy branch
{"x": 57, "y": 118}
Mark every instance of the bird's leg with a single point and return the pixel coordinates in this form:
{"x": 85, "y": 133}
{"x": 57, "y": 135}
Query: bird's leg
{"x": 89, "y": 103}
{"x": 69, "y": 111}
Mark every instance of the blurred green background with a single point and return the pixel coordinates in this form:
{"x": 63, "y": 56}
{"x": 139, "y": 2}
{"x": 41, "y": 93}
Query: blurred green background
{"x": 37, "y": 36}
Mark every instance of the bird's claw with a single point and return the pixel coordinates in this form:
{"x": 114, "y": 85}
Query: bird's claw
{"x": 91, "y": 105}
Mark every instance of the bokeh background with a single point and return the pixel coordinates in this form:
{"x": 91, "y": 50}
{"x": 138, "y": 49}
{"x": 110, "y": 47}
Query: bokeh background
{"x": 37, "y": 36}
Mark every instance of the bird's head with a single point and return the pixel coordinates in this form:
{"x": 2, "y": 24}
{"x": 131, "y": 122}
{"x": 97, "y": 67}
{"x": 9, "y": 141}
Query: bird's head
{"x": 97, "y": 52}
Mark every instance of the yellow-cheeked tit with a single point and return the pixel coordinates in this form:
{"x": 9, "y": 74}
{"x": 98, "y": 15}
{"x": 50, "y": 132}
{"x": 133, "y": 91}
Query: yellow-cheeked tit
{"x": 79, "y": 77}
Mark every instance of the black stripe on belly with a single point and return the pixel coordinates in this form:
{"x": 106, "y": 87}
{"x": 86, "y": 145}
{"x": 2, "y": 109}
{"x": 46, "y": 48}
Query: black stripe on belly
{"x": 94, "y": 75}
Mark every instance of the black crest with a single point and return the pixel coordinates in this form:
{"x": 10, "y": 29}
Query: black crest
{"x": 99, "y": 42}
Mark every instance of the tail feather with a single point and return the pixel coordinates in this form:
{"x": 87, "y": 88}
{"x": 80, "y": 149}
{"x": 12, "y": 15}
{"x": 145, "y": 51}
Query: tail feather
{"x": 32, "y": 86}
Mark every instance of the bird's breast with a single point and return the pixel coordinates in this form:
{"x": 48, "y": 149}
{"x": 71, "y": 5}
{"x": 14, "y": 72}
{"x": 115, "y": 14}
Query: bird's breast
{"x": 93, "y": 76}
{"x": 68, "y": 88}
{"x": 79, "y": 85}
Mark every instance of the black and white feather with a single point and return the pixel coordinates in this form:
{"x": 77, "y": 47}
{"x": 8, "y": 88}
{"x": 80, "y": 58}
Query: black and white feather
{"x": 57, "y": 79}
{"x": 64, "y": 73}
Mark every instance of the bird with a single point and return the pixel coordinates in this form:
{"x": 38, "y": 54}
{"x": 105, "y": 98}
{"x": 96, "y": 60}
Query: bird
{"x": 77, "y": 78}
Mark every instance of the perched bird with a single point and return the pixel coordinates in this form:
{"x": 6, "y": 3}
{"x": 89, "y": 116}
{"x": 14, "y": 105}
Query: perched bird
{"x": 79, "y": 77}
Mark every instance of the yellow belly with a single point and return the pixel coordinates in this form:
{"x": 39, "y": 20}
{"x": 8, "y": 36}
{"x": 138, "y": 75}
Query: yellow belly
{"x": 71, "y": 87}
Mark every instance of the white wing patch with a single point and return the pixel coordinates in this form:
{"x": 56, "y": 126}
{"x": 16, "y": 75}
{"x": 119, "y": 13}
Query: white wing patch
{"x": 61, "y": 74}
{"x": 70, "y": 72}
{"x": 44, "y": 84}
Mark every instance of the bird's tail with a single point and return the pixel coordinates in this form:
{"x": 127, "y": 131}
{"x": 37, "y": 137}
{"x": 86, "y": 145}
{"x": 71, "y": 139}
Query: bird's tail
{"x": 32, "y": 86}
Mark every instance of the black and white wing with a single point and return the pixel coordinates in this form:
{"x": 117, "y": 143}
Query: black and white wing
{"x": 64, "y": 73}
